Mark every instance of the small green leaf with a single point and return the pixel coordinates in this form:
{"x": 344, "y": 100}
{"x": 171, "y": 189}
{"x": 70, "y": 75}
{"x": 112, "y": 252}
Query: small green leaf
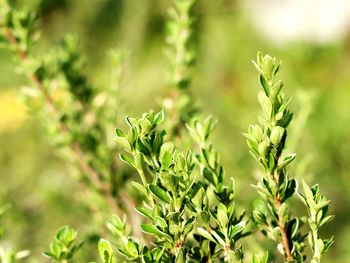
{"x": 106, "y": 251}
{"x": 140, "y": 146}
{"x": 160, "y": 193}
{"x": 127, "y": 159}
{"x": 277, "y": 135}
{"x": 166, "y": 159}
{"x": 235, "y": 230}
{"x": 263, "y": 148}
{"x": 286, "y": 160}
{"x": 210, "y": 176}
{"x": 150, "y": 229}
{"x": 160, "y": 222}
{"x": 205, "y": 234}
{"x": 264, "y": 85}
{"x": 122, "y": 140}
{"x": 145, "y": 212}
{"x": 146, "y": 125}
{"x": 66, "y": 235}
{"x": 265, "y": 104}
{"x": 132, "y": 248}
{"x": 159, "y": 118}
{"x": 222, "y": 215}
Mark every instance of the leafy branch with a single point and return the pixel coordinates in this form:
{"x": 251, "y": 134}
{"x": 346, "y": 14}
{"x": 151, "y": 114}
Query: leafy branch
{"x": 267, "y": 142}
{"x": 63, "y": 97}
{"x": 181, "y": 56}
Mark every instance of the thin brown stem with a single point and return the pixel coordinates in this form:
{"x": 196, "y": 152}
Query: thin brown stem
{"x": 285, "y": 239}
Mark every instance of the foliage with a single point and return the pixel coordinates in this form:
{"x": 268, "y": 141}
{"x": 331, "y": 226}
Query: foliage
{"x": 76, "y": 115}
{"x": 176, "y": 189}
{"x": 63, "y": 248}
{"x": 189, "y": 210}
{"x": 181, "y": 54}
{"x": 267, "y": 143}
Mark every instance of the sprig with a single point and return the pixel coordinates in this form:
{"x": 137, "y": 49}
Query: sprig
{"x": 63, "y": 247}
{"x": 317, "y": 206}
{"x": 267, "y": 141}
{"x": 181, "y": 56}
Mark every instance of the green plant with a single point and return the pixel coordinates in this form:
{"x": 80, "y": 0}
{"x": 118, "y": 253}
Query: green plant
{"x": 192, "y": 211}
{"x": 267, "y": 143}
{"x": 76, "y": 115}
{"x": 189, "y": 210}
{"x": 62, "y": 249}
{"x": 176, "y": 186}
{"x": 180, "y": 105}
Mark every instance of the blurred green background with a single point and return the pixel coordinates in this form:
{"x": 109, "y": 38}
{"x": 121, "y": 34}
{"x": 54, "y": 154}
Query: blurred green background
{"x": 228, "y": 33}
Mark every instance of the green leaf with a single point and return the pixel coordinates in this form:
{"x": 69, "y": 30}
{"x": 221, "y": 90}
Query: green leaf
{"x": 127, "y": 159}
{"x": 277, "y": 135}
{"x": 150, "y": 229}
{"x": 235, "y": 230}
{"x": 147, "y": 255}
{"x": 140, "y": 146}
{"x": 265, "y": 104}
{"x": 193, "y": 133}
{"x": 145, "y": 212}
{"x": 132, "y": 248}
{"x": 140, "y": 188}
{"x": 166, "y": 159}
{"x": 222, "y": 215}
{"x": 264, "y": 85}
{"x": 205, "y": 234}
{"x": 160, "y": 193}
{"x": 132, "y": 122}
{"x": 308, "y": 194}
{"x": 138, "y": 161}
{"x": 106, "y": 251}
{"x": 263, "y": 148}
{"x": 326, "y": 220}
{"x": 203, "y": 218}
{"x": 276, "y": 89}
{"x": 286, "y": 160}
{"x": 122, "y": 140}
{"x": 290, "y": 190}
{"x": 66, "y": 235}
{"x": 159, "y": 118}
{"x": 210, "y": 176}
{"x": 161, "y": 222}
{"x": 146, "y": 125}
{"x": 119, "y": 133}
{"x": 199, "y": 198}
{"x": 166, "y": 147}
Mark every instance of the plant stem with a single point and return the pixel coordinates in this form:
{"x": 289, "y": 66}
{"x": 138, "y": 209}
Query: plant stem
{"x": 285, "y": 240}
{"x": 316, "y": 256}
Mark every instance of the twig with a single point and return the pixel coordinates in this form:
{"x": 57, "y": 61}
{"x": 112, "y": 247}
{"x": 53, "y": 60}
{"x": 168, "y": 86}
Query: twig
{"x": 285, "y": 240}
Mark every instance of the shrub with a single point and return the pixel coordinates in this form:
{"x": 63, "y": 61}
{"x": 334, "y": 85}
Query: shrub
{"x": 189, "y": 209}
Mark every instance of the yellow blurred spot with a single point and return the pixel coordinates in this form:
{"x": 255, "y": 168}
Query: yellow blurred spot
{"x": 12, "y": 111}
